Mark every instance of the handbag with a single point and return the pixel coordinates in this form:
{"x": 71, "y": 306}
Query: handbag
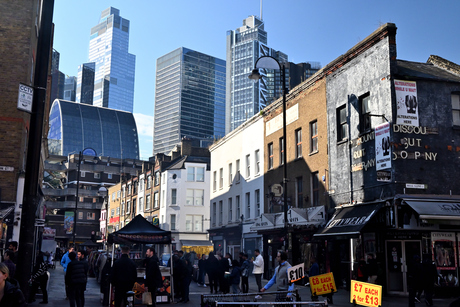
{"x": 245, "y": 272}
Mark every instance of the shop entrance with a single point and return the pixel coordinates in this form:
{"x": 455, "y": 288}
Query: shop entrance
{"x": 398, "y": 255}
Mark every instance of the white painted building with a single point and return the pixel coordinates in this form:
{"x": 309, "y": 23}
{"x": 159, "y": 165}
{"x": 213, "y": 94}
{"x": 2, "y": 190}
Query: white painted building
{"x": 184, "y": 201}
{"x": 237, "y": 188}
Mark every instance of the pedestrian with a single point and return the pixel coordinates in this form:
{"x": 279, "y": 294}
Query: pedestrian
{"x": 429, "y": 276}
{"x": 361, "y": 274}
{"x": 258, "y": 269}
{"x": 188, "y": 272}
{"x": 212, "y": 267}
{"x": 39, "y": 279}
{"x": 372, "y": 268}
{"x": 281, "y": 278}
{"x": 105, "y": 280}
{"x": 10, "y": 295}
{"x": 241, "y": 260}
{"x": 224, "y": 268}
{"x": 202, "y": 271}
{"x": 179, "y": 274}
{"x": 245, "y": 274}
{"x": 9, "y": 263}
{"x": 13, "y": 246}
{"x": 234, "y": 277}
{"x": 64, "y": 262}
{"x": 413, "y": 279}
{"x": 153, "y": 278}
{"x": 124, "y": 275}
{"x": 76, "y": 278}
{"x": 314, "y": 270}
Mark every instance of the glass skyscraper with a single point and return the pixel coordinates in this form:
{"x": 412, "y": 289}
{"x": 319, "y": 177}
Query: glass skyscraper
{"x": 189, "y": 99}
{"x": 114, "y": 69}
{"x": 244, "y": 98}
{"x": 85, "y": 83}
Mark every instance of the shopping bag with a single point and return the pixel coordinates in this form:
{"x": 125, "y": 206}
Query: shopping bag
{"x": 146, "y": 298}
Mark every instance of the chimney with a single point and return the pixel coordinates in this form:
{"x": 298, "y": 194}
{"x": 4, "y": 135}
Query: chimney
{"x": 186, "y": 148}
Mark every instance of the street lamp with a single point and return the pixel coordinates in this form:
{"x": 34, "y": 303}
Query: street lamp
{"x": 268, "y": 62}
{"x": 103, "y": 191}
{"x": 89, "y": 152}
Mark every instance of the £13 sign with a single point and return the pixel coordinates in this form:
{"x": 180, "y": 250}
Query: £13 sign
{"x": 322, "y": 284}
{"x": 365, "y": 294}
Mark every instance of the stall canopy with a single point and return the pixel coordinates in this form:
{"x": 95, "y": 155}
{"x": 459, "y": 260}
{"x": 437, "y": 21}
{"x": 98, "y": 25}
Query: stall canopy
{"x": 348, "y": 222}
{"x": 89, "y": 243}
{"x": 436, "y": 211}
{"x": 139, "y": 230}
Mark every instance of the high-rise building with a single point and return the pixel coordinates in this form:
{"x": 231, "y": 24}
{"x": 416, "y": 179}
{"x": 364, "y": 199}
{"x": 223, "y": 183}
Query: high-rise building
{"x": 57, "y": 78}
{"x": 244, "y": 98}
{"x": 85, "y": 83}
{"x": 114, "y": 65}
{"x": 189, "y": 99}
{"x": 70, "y": 87}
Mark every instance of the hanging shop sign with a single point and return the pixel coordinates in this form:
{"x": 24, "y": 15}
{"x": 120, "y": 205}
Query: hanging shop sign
{"x": 382, "y": 146}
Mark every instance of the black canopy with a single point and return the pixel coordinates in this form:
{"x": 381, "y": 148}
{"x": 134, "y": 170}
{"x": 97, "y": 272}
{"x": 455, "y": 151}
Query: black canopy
{"x": 139, "y": 230}
{"x": 89, "y": 243}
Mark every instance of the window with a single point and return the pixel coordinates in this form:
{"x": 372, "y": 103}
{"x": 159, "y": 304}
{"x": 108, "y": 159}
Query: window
{"x": 97, "y": 175}
{"x": 80, "y": 215}
{"x": 194, "y": 223}
{"x": 155, "y": 200}
{"x": 299, "y": 192}
{"x": 298, "y": 143}
{"x": 270, "y": 156}
{"x": 221, "y": 178}
{"x": 230, "y": 209}
{"x": 122, "y": 207}
{"x": 238, "y": 207}
{"x": 190, "y": 174}
{"x": 82, "y": 174}
{"x": 281, "y": 151}
{"x": 141, "y": 185}
{"x": 123, "y": 191}
{"x": 257, "y": 161}
{"x": 248, "y": 205}
{"x": 149, "y": 182}
{"x": 342, "y": 125}
{"x": 230, "y": 174}
{"x": 200, "y": 174}
{"x": 314, "y": 189}
{"x": 147, "y": 202}
{"x": 118, "y": 194}
{"x": 214, "y": 214}
{"x": 112, "y": 213}
{"x": 173, "y": 222}
{"x": 118, "y": 211}
{"x": 194, "y": 197}
{"x": 128, "y": 206}
{"x": 173, "y": 196}
{"x": 113, "y": 196}
{"x": 134, "y": 205}
{"x": 364, "y": 115}
{"x": 135, "y": 187}
{"x": 456, "y": 109}
{"x": 157, "y": 178}
{"x": 238, "y": 170}
{"x": 313, "y": 136}
{"x": 109, "y": 176}
{"x": 248, "y": 166}
{"x": 129, "y": 189}
{"x": 195, "y": 174}
{"x": 257, "y": 200}
{"x": 163, "y": 199}
{"x": 214, "y": 181}
{"x": 221, "y": 205}
{"x": 141, "y": 204}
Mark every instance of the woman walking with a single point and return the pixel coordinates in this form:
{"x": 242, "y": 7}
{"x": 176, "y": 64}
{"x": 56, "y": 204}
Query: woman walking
{"x": 39, "y": 279}
{"x": 10, "y": 295}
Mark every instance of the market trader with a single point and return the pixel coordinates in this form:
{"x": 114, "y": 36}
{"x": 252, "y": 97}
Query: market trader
{"x": 124, "y": 275}
{"x": 280, "y": 277}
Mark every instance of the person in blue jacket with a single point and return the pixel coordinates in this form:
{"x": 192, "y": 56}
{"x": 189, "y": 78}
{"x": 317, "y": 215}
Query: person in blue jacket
{"x": 65, "y": 262}
{"x": 280, "y": 278}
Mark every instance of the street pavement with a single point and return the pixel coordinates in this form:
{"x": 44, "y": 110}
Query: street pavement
{"x": 341, "y": 298}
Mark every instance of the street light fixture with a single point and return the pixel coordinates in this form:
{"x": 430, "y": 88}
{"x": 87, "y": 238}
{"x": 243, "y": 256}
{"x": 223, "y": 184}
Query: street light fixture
{"x": 89, "y": 152}
{"x": 268, "y": 62}
{"x": 104, "y": 192}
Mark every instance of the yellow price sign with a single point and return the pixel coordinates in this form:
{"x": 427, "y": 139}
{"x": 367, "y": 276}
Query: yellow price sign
{"x": 322, "y": 284}
{"x": 365, "y": 294}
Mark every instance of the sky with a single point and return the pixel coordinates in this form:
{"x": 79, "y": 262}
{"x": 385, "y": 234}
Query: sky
{"x": 318, "y": 31}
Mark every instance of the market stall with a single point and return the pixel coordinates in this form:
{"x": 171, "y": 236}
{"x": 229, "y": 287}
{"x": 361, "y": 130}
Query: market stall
{"x": 141, "y": 231}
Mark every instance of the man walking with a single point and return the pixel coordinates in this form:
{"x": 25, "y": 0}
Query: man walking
{"x": 124, "y": 275}
{"x": 9, "y": 263}
{"x": 76, "y": 278}
{"x": 280, "y": 278}
{"x": 13, "y": 246}
{"x": 153, "y": 279}
{"x": 258, "y": 269}
{"x": 64, "y": 262}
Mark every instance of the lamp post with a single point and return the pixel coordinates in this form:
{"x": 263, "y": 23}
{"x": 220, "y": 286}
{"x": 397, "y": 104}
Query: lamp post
{"x": 104, "y": 192}
{"x": 89, "y": 152}
{"x": 268, "y": 62}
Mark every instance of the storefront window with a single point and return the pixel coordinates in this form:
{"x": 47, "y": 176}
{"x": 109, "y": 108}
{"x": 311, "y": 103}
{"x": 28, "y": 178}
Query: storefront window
{"x": 444, "y": 256}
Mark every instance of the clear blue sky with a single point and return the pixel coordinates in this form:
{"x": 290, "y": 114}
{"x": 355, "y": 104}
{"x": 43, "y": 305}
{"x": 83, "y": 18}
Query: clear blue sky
{"x": 306, "y": 30}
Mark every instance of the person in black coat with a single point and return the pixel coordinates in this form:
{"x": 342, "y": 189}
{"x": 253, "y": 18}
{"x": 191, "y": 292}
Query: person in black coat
{"x": 39, "y": 279}
{"x": 76, "y": 277}
{"x": 188, "y": 272}
{"x": 429, "y": 276}
{"x": 178, "y": 274}
{"x": 124, "y": 275}
{"x": 153, "y": 278}
{"x": 234, "y": 277}
{"x": 12, "y": 295}
{"x": 212, "y": 268}
{"x": 105, "y": 280}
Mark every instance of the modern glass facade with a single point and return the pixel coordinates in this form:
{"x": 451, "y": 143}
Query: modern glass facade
{"x": 70, "y": 86}
{"x": 114, "y": 65}
{"x": 75, "y": 126}
{"x": 85, "y": 83}
{"x": 244, "y": 98}
{"x": 189, "y": 99}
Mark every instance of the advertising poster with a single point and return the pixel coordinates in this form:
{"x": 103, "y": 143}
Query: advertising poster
{"x": 407, "y": 103}
{"x": 322, "y": 284}
{"x": 382, "y": 146}
{"x": 68, "y": 222}
{"x": 365, "y": 294}
{"x": 444, "y": 256}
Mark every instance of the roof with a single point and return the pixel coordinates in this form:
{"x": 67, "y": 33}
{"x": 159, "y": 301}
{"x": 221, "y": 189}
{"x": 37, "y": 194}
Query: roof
{"x": 416, "y": 70}
{"x": 180, "y": 162}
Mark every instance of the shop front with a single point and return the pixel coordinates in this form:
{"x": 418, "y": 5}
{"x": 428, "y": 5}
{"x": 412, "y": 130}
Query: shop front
{"x": 226, "y": 240}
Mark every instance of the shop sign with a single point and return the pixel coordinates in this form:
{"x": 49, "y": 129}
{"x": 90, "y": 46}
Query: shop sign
{"x": 296, "y": 273}
{"x": 407, "y": 103}
{"x": 365, "y": 294}
{"x": 384, "y": 176}
{"x": 382, "y": 146}
{"x": 322, "y": 284}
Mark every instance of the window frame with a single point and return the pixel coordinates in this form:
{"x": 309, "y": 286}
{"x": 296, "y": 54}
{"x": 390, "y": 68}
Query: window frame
{"x": 270, "y": 156}
{"x": 281, "y": 150}
{"x": 365, "y": 123}
{"x": 298, "y": 143}
{"x": 314, "y": 136}
{"x": 342, "y": 124}
{"x": 455, "y": 110}
{"x": 257, "y": 162}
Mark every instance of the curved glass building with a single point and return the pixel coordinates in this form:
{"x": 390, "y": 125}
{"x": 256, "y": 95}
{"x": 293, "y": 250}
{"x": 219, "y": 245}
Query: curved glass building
{"x": 75, "y": 126}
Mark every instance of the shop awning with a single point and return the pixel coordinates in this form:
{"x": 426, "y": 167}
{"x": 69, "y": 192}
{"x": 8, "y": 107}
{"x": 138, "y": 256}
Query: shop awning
{"x": 348, "y": 222}
{"x": 436, "y": 210}
{"x": 296, "y": 217}
{"x": 195, "y": 243}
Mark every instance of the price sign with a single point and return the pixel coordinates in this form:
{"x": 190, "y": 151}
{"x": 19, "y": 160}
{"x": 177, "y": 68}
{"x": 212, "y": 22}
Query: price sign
{"x": 322, "y": 284}
{"x": 296, "y": 273}
{"x": 365, "y": 294}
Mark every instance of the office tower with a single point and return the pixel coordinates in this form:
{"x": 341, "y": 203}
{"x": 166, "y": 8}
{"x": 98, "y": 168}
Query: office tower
{"x": 301, "y": 72}
{"x": 244, "y": 98}
{"x": 189, "y": 99}
{"x": 70, "y": 87}
{"x": 75, "y": 126}
{"x": 57, "y": 78}
{"x": 114, "y": 66}
{"x": 85, "y": 83}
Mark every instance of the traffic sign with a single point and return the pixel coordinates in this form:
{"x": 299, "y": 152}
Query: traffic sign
{"x": 25, "y": 97}
{"x": 277, "y": 189}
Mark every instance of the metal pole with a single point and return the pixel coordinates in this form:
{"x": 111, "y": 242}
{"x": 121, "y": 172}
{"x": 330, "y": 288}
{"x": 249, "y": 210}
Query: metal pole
{"x": 285, "y": 179}
{"x": 80, "y": 157}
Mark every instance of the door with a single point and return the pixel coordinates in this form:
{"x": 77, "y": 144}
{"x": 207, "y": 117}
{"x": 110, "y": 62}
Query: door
{"x": 398, "y": 255}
